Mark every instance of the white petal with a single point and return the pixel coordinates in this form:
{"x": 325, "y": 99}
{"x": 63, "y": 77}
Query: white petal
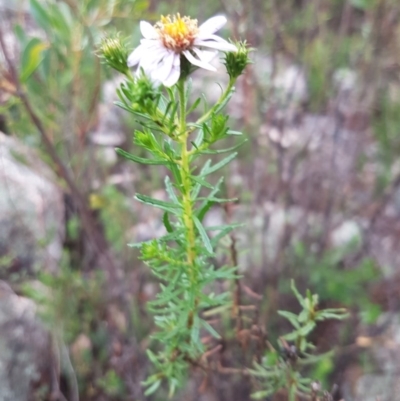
{"x": 148, "y": 30}
{"x": 145, "y": 53}
{"x": 212, "y": 37}
{"x": 136, "y": 55}
{"x": 212, "y": 25}
{"x": 173, "y": 77}
{"x": 220, "y": 45}
{"x": 177, "y": 61}
{"x": 163, "y": 69}
{"x": 198, "y": 62}
{"x": 205, "y": 55}
{"x": 150, "y": 42}
{"x": 151, "y": 59}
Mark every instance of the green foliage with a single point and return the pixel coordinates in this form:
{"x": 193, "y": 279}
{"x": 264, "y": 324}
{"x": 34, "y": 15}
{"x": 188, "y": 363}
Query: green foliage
{"x": 112, "y": 384}
{"x": 65, "y": 65}
{"x": 112, "y": 204}
{"x": 62, "y": 296}
{"x": 181, "y": 258}
{"x": 319, "y": 60}
{"x": 236, "y": 62}
{"x": 32, "y": 56}
{"x": 114, "y": 52}
{"x": 345, "y": 286}
{"x": 283, "y": 369}
{"x": 363, "y": 4}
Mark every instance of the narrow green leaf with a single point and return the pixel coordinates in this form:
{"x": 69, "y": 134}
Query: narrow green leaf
{"x": 291, "y": 317}
{"x": 170, "y": 190}
{"x": 203, "y": 97}
{"x": 310, "y": 359}
{"x": 166, "y": 112}
{"x": 62, "y": 20}
{"x": 169, "y": 150}
{"x": 141, "y": 160}
{"x": 292, "y": 392}
{"x": 124, "y": 104}
{"x": 297, "y": 294}
{"x": 216, "y": 311}
{"x": 197, "y": 187}
{"x": 172, "y": 236}
{"x": 166, "y": 206}
{"x": 175, "y": 172}
{"x": 153, "y": 388}
{"x": 40, "y": 15}
{"x": 167, "y": 223}
{"x": 165, "y": 238}
{"x": 173, "y": 112}
{"x": 195, "y": 331}
{"x": 225, "y": 273}
{"x": 207, "y": 204}
{"x": 188, "y": 91}
{"x": 203, "y": 234}
{"x": 202, "y": 182}
{"x": 323, "y": 315}
{"x": 258, "y": 395}
{"x": 31, "y": 58}
{"x": 225, "y": 231}
{"x": 219, "y": 151}
{"x": 226, "y": 100}
{"x": 307, "y": 329}
{"x": 172, "y": 387}
{"x": 136, "y": 245}
{"x": 224, "y": 226}
{"x": 194, "y": 106}
{"x": 199, "y": 139}
{"x": 204, "y": 209}
{"x": 210, "y": 329}
{"x": 221, "y": 200}
{"x": 291, "y": 336}
{"x": 220, "y": 164}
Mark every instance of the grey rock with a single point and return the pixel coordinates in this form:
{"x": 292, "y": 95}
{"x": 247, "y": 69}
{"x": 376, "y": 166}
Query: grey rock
{"x": 380, "y": 387}
{"x": 346, "y": 233}
{"x": 31, "y": 211}
{"x": 25, "y": 348}
{"x": 287, "y": 80}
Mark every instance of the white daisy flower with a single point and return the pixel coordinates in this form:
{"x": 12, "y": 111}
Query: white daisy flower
{"x": 160, "y": 50}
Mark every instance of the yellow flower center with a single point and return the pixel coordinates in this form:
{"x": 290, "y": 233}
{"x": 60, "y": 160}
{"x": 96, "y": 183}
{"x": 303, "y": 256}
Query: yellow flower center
{"x": 177, "y": 33}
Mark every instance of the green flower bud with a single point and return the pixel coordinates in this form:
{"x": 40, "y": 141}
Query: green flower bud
{"x": 114, "y": 53}
{"x": 140, "y": 93}
{"x": 236, "y": 62}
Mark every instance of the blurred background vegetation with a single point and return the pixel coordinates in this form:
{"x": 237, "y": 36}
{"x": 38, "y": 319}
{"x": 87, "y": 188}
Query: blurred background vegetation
{"x": 318, "y": 184}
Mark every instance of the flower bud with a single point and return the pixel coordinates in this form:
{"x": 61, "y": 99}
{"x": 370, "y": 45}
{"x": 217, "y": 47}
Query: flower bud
{"x": 140, "y": 93}
{"x": 114, "y": 53}
{"x": 236, "y": 62}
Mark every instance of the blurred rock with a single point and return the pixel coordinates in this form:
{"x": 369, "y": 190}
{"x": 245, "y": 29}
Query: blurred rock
{"x": 345, "y": 79}
{"x": 14, "y": 5}
{"x": 346, "y": 233}
{"x": 380, "y": 387}
{"x": 31, "y": 211}
{"x": 25, "y": 349}
{"x": 291, "y": 83}
{"x": 381, "y": 343}
{"x": 287, "y": 80}
{"x": 108, "y": 132}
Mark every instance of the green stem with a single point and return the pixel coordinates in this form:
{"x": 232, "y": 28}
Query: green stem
{"x": 187, "y": 202}
{"x": 223, "y": 97}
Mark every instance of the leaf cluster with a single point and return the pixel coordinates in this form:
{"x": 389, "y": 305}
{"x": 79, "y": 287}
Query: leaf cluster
{"x": 182, "y": 258}
{"x": 283, "y": 369}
